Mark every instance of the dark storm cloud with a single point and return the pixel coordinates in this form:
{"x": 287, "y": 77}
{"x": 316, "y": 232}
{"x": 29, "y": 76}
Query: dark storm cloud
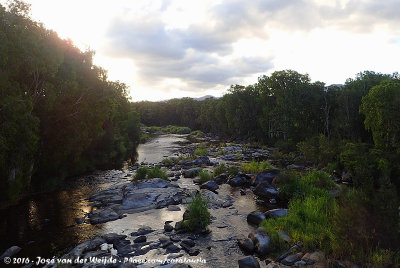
{"x": 194, "y": 54}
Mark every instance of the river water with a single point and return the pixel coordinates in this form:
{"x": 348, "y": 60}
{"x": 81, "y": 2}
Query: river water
{"x": 44, "y": 224}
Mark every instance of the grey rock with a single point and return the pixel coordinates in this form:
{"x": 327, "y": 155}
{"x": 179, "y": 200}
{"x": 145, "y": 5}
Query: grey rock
{"x": 191, "y": 173}
{"x": 210, "y": 185}
{"x": 143, "y": 231}
{"x": 103, "y": 215}
{"x": 140, "y": 239}
{"x": 275, "y": 213}
{"x": 246, "y": 244}
{"x": 255, "y": 217}
{"x": 79, "y": 220}
{"x": 266, "y": 175}
{"x": 265, "y": 189}
{"x": 86, "y": 246}
{"x": 248, "y": 262}
{"x": 173, "y": 208}
{"x": 221, "y": 179}
{"x": 189, "y": 242}
{"x": 111, "y": 238}
{"x": 238, "y": 181}
{"x": 202, "y": 160}
{"x": 262, "y": 242}
{"x": 173, "y": 248}
{"x": 10, "y": 252}
{"x": 291, "y": 259}
{"x": 168, "y": 227}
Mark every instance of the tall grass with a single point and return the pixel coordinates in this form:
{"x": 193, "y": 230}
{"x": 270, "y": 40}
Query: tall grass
{"x": 200, "y": 152}
{"x": 219, "y": 170}
{"x": 205, "y": 176}
{"x": 256, "y": 167}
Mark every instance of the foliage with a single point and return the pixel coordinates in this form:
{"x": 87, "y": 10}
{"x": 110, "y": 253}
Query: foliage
{"x": 381, "y": 107}
{"x": 218, "y": 170}
{"x": 198, "y": 217}
{"x": 319, "y": 149}
{"x": 150, "y": 173}
{"x": 256, "y": 167}
{"x": 197, "y": 133}
{"x": 168, "y": 161}
{"x": 200, "y": 152}
{"x": 141, "y": 173}
{"x": 205, "y": 176}
{"x": 232, "y": 171}
{"x": 308, "y": 221}
{"x": 144, "y": 137}
{"x": 59, "y": 114}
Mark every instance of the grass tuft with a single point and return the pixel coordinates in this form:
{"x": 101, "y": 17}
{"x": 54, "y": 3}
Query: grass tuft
{"x": 256, "y": 167}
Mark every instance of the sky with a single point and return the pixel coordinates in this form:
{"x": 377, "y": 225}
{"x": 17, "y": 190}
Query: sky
{"x": 166, "y": 49}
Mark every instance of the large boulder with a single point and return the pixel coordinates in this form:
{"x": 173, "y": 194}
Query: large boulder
{"x": 262, "y": 241}
{"x": 210, "y": 185}
{"x": 266, "y": 190}
{"x": 276, "y": 213}
{"x": 10, "y": 252}
{"x": 245, "y": 244}
{"x": 191, "y": 172}
{"x": 248, "y": 262}
{"x": 221, "y": 179}
{"x": 266, "y": 175}
{"x": 255, "y": 217}
{"x": 103, "y": 215}
{"x": 238, "y": 181}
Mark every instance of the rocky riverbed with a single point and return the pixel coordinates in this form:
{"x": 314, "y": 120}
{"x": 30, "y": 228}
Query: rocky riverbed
{"x": 136, "y": 220}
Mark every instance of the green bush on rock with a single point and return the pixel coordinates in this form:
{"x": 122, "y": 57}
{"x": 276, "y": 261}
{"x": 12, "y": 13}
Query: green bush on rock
{"x": 150, "y": 173}
{"x": 198, "y": 215}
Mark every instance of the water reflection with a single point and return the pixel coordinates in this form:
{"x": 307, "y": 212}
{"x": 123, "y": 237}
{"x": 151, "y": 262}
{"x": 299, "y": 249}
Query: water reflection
{"x": 44, "y": 224}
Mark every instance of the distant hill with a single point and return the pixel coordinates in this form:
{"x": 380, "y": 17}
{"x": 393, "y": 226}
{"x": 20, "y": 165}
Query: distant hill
{"x": 204, "y": 97}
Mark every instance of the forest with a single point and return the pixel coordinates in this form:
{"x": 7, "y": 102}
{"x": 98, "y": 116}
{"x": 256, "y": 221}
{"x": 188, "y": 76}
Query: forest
{"x": 59, "y": 114}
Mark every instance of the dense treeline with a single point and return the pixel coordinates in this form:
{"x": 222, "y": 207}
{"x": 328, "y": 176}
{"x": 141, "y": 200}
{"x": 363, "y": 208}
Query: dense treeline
{"x": 283, "y": 106}
{"x": 351, "y": 130}
{"x": 59, "y": 114}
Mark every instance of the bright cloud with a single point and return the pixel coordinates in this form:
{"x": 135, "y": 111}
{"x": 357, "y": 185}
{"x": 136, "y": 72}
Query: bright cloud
{"x": 166, "y": 49}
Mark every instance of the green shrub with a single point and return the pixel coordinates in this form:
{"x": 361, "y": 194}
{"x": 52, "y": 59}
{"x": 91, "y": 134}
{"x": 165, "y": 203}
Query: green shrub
{"x": 176, "y": 130}
{"x": 320, "y": 179}
{"x": 168, "y": 161}
{"x": 219, "y": 170}
{"x": 201, "y": 152}
{"x": 143, "y": 137}
{"x": 150, "y": 173}
{"x": 198, "y": 217}
{"x": 308, "y": 221}
{"x": 204, "y": 176}
{"x": 256, "y": 167}
{"x": 141, "y": 173}
{"x": 156, "y": 172}
{"x": 220, "y": 152}
{"x": 315, "y": 183}
{"x": 233, "y": 171}
{"x": 318, "y": 149}
{"x": 197, "y": 133}
{"x": 153, "y": 129}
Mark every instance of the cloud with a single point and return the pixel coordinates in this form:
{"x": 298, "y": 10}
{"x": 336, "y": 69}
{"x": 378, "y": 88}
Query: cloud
{"x": 202, "y": 54}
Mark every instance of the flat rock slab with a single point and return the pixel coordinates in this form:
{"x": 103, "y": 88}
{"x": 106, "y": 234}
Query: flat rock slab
{"x": 135, "y": 197}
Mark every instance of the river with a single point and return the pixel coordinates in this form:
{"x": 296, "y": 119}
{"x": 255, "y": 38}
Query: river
{"x": 44, "y": 224}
